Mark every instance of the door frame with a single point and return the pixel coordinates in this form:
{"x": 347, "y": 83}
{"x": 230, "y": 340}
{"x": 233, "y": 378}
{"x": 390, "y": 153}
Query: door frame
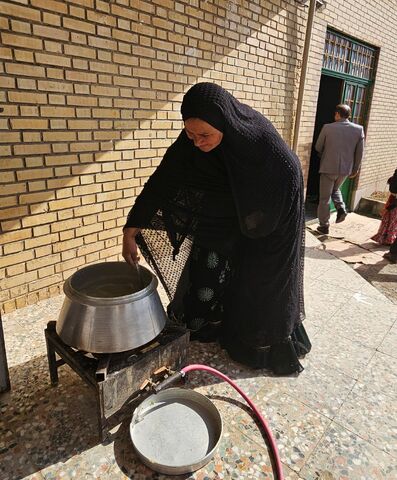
{"x": 353, "y": 80}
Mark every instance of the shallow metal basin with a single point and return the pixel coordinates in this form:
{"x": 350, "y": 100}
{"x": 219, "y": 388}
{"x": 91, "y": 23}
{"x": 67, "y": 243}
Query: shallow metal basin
{"x": 110, "y": 307}
{"x": 176, "y": 431}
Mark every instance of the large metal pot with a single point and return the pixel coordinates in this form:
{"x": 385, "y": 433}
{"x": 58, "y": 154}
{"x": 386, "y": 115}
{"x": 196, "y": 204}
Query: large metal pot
{"x": 110, "y": 307}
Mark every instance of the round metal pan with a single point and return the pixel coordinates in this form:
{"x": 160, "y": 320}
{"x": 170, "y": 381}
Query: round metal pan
{"x": 176, "y": 431}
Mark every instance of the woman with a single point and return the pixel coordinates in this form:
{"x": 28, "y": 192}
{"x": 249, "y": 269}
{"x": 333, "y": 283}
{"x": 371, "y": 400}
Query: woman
{"x": 226, "y": 204}
{"x": 387, "y": 233}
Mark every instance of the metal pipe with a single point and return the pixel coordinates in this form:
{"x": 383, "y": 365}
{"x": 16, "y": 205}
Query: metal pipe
{"x": 309, "y": 28}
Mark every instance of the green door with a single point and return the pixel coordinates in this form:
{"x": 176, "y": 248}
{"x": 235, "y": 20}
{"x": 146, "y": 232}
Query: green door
{"x": 354, "y": 94}
{"x": 355, "y": 63}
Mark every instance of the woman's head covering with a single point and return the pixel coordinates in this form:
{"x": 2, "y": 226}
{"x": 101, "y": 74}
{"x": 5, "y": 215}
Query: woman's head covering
{"x": 202, "y": 101}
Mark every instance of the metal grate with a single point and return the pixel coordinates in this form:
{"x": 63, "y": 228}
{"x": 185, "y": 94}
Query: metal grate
{"x": 343, "y": 55}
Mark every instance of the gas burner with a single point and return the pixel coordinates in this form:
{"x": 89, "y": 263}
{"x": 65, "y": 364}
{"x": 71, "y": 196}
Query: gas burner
{"x": 117, "y": 378}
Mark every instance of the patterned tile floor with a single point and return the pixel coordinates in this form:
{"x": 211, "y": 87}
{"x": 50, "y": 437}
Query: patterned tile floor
{"x": 337, "y": 420}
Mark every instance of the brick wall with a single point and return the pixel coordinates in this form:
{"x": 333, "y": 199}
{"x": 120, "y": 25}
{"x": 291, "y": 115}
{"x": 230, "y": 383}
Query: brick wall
{"x": 91, "y": 92}
{"x": 375, "y": 23}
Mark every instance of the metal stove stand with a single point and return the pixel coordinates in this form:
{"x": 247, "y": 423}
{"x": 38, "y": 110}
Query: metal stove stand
{"x": 116, "y": 379}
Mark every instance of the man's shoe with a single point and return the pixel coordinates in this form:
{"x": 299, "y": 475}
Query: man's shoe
{"x": 340, "y": 215}
{"x": 323, "y": 229}
{"x": 392, "y": 257}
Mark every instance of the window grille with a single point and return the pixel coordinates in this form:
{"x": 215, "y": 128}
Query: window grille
{"x": 343, "y": 55}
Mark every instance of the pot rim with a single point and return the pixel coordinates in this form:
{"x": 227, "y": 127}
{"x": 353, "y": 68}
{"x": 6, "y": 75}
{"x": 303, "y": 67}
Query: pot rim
{"x": 73, "y": 294}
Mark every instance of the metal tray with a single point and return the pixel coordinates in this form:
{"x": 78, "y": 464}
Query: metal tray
{"x": 176, "y": 431}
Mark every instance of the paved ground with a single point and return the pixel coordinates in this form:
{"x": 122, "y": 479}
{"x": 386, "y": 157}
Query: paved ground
{"x": 337, "y": 420}
{"x": 351, "y": 242}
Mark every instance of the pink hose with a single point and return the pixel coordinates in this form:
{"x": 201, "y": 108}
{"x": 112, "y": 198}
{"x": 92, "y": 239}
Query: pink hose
{"x": 272, "y": 442}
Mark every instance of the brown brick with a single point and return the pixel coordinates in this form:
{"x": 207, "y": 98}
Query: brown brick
{"x": 27, "y": 97}
{"x": 51, "y": 5}
{"x": 29, "y": 124}
{"x": 78, "y": 25}
{"x": 55, "y": 73}
{"x": 65, "y": 203}
{"x": 15, "y": 270}
{"x": 17, "y": 280}
{"x": 124, "y": 12}
{"x": 29, "y": 111}
{"x": 64, "y": 192}
{"x": 51, "y": 160}
{"x": 101, "y": 18}
{"x": 8, "y": 201}
{"x": 57, "y": 60}
{"x": 103, "y": 67}
{"x": 43, "y": 261}
{"x": 24, "y": 56}
{"x": 49, "y": 239}
{"x": 7, "y": 82}
{"x": 32, "y": 162}
{"x": 53, "y": 86}
{"x": 23, "y": 41}
{"x": 81, "y": 76}
{"x": 13, "y": 212}
{"x": 5, "y": 53}
{"x": 59, "y": 136}
{"x": 84, "y": 146}
{"x": 31, "y": 149}
{"x": 20, "y": 257}
{"x": 10, "y": 137}
{"x": 18, "y": 11}
{"x": 40, "y": 219}
{"x": 79, "y": 51}
{"x": 67, "y": 245}
{"x": 46, "y": 272}
{"x": 105, "y": 113}
{"x": 52, "y": 19}
{"x": 44, "y": 282}
{"x": 12, "y": 188}
{"x": 26, "y": 83}
{"x": 103, "y": 43}
{"x": 11, "y": 225}
{"x": 13, "y": 248}
{"x": 57, "y": 111}
{"x": 88, "y": 229}
{"x": 86, "y": 189}
{"x": 41, "y": 230}
{"x": 87, "y": 249}
{"x": 56, "y": 99}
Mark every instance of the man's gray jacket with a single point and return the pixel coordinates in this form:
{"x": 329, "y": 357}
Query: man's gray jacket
{"x": 341, "y": 146}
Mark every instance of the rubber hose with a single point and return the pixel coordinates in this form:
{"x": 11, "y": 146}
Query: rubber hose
{"x": 269, "y": 435}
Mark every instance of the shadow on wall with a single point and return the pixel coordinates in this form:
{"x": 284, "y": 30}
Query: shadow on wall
{"x": 92, "y": 105}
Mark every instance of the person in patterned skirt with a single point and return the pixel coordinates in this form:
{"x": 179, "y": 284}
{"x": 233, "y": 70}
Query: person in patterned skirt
{"x": 387, "y": 233}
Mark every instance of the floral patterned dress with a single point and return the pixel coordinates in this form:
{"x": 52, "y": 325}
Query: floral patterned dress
{"x": 387, "y": 232}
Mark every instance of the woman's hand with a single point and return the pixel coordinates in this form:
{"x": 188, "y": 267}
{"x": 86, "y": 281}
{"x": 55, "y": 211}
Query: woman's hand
{"x": 130, "y": 249}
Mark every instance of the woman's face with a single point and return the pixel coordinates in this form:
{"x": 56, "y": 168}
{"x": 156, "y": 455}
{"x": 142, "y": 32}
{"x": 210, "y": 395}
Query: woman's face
{"x": 203, "y": 135}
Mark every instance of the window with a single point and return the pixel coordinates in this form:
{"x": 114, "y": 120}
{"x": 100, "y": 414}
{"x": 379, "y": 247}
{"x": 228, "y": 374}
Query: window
{"x": 343, "y": 55}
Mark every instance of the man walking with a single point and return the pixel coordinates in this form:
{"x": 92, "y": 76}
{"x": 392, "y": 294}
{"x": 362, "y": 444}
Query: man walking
{"x": 341, "y": 147}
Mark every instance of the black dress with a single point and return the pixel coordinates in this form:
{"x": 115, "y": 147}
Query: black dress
{"x": 242, "y": 202}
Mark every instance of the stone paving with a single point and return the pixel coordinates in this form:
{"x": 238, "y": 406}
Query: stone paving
{"x": 336, "y": 420}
